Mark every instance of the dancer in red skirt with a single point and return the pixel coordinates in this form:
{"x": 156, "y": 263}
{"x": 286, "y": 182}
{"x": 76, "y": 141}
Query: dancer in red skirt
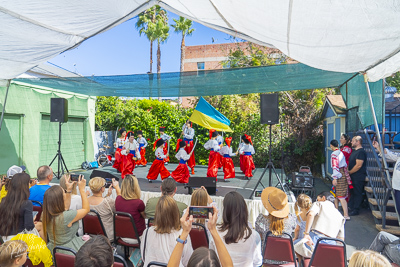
{"x": 142, "y": 149}
{"x": 130, "y": 153}
{"x": 188, "y": 134}
{"x": 181, "y": 173}
{"x": 247, "y": 151}
{"x": 158, "y": 164}
{"x": 119, "y": 144}
{"x": 166, "y": 138}
{"x": 227, "y": 163}
{"x": 213, "y": 159}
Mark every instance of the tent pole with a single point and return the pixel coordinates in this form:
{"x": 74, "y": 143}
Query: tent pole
{"x": 378, "y": 136}
{"x": 4, "y": 104}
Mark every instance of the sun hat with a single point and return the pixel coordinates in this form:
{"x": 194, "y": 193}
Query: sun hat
{"x": 275, "y": 202}
{"x": 14, "y": 170}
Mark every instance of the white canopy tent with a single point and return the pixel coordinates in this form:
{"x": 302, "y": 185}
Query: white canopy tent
{"x": 345, "y": 36}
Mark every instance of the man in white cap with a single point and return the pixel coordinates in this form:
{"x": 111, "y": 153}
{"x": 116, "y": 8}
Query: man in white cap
{"x": 6, "y": 180}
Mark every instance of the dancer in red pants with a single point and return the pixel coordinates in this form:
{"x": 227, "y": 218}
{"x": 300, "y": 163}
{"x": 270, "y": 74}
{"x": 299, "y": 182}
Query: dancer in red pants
{"x": 158, "y": 164}
{"x": 130, "y": 153}
{"x": 142, "y": 149}
{"x": 181, "y": 173}
{"x": 247, "y": 151}
{"x": 166, "y": 138}
{"x": 213, "y": 159}
{"x": 227, "y": 163}
{"x": 220, "y": 141}
{"x": 119, "y": 144}
{"x": 188, "y": 134}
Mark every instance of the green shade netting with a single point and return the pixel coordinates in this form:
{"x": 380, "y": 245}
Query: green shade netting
{"x": 200, "y": 83}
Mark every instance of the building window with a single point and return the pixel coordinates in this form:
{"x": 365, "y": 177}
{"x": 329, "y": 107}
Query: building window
{"x": 200, "y": 65}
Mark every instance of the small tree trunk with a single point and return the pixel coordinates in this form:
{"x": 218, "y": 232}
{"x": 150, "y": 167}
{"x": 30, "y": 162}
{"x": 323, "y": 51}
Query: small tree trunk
{"x": 151, "y": 57}
{"x": 183, "y": 48}
{"x": 159, "y": 57}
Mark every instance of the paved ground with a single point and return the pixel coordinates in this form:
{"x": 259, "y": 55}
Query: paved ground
{"x": 360, "y": 230}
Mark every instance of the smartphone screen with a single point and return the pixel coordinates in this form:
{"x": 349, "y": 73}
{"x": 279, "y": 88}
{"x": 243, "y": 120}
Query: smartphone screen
{"x": 108, "y": 182}
{"x": 200, "y": 211}
{"x": 257, "y": 193}
{"x": 74, "y": 177}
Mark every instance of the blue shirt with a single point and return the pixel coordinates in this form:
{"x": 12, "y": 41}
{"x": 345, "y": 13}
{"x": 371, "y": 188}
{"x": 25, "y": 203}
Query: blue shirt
{"x": 37, "y": 192}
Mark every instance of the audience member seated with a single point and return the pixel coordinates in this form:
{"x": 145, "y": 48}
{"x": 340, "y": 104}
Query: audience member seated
{"x": 16, "y": 210}
{"x": 368, "y": 258}
{"x": 243, "y": 244}
{"x": 159, "y": 240}
{"x": 200, "y": 197}
{"x": 104, "y": 206}
{"x": 168, "y": 187}
{"x": 202, "y": 256}
{"x": 323, "y": 220}
{"x": 388, "y": 245}
{"x": 129, "y": 201}
{"x": 302, "y": 206}
{"x": 13, "y": 253}
{"x": 5, "y": 182}
{"x": 278, "y": 220}
{"x": 96, "y": 252}
{"x": 59, "y": 223}
{"x": 44, "y": 176}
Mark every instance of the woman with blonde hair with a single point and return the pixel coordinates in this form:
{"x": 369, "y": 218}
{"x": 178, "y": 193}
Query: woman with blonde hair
{"x": 200, "y": 197}
{"x": 368, "y": 258}
{"x": 104, "y": 206}
{"x": 160, "y": 239}
{"x": 59, "y": 223}
{"x": 302, "y": 206}
{"x": 129, "y": 201}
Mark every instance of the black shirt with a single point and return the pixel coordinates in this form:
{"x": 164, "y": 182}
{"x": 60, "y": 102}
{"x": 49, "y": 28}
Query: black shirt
{"x": 25, "y": 218}
{"x": 362, "y": 172}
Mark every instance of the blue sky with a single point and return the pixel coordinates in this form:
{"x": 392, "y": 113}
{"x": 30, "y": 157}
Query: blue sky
{"x": 122, "y": 51}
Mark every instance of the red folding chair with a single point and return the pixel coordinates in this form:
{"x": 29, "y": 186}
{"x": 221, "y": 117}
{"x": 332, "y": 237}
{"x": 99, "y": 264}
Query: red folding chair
{"x": 38, "y": 209}
{"x": 326, "y": 255}
{"x": 119, "y": 261}
{"x": 198, "y": 236}
{"x": 29, "y": 263}
{"x": 61, "y": 259}
{"x": 125, "y": 227}
{"x": 92, "y": 224}
{"x": 279, "y": 248}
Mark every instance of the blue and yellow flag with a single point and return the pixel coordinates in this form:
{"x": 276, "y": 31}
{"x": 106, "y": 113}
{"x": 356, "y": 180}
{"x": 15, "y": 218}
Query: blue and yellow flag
{"x": 207, "y": 116}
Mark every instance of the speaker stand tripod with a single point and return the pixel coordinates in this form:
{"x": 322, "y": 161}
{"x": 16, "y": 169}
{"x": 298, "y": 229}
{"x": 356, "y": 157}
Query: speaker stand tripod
{"x": 59, "y": 157}
{"x": 270, "y": 167}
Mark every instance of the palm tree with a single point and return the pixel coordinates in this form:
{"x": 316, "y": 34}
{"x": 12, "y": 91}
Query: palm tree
{"x": 183, "y": 25}
{"x": 161, "y": 33}
{"x": 146, "y": 26}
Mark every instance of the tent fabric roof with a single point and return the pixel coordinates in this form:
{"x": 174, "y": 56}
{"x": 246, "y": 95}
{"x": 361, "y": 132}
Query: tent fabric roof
{"x": 199, "y": 83}
{"x": 342, "y": 36}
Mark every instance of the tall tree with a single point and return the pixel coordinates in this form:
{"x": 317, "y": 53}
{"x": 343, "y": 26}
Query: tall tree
{"x": 161, "y": 32}
{"x": 146, "y": 26}
{"x": 185, "y": 27}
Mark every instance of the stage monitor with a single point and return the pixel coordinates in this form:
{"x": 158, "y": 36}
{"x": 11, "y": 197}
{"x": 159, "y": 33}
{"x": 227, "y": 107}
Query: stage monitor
{"x": 210, "y": 183}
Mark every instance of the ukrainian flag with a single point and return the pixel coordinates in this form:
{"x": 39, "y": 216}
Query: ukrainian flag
{"x": 207, "y": 116}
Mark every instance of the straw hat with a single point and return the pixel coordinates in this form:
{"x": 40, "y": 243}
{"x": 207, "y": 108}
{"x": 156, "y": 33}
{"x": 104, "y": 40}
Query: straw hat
{"x": 275, "y": 201}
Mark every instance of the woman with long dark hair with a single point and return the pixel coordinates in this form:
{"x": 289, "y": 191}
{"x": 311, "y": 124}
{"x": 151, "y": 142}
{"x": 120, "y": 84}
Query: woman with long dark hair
{"x": 345, "y": 146}
{"x": 243, "y": 244}
{"x": 16, "y": 209}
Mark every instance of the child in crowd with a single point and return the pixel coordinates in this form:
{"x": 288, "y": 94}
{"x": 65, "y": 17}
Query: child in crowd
{"x": 158, "y": 164}
{"x": 13, "y": 253}
{"x": 247, "y": 151}
{"x": 131, "y": 153}
{"x": 227, "y": 163}
{"x": 142, "y": 149}
{"x": 302, "y": 206}
{"x": 213, "y": 159}
{"x": 181, "y": 173}
{"x": 166, "y": 138}
{"x": 119, "y": 145}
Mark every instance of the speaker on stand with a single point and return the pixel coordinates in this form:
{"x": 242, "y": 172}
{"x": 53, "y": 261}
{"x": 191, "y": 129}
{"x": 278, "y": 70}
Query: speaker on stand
{"x": 59, "y": 113}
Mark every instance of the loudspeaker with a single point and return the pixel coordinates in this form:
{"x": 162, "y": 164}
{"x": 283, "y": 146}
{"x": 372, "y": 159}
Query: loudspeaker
{"x": 269, "y": 108}
{"x": 59, "y": 110}
{"x": 302, "y": 179}
{"x": 210, "y": 183}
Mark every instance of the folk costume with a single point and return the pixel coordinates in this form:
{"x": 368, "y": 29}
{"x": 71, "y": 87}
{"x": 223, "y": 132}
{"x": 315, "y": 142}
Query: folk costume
{"x": 130, "y": 153}
{"x": 227, "y": 163}
{"x": 340, "y": 173}
{"x": 142, "y": 149}
{"x": 181, "y": 173}
{"x": 247, "y": 151}
{"x": 158, "y": 164}
{"x": 166, "y": 138}
{"x": 188, "y": 134}
{"x": 213, "y": 159}
{"x": 220, "y": 141}
{"x": 119, "y": 144}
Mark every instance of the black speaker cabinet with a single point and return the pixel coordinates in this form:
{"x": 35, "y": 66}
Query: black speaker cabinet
{"x": 210, "y": 183}
{"x": 59, "y": 110}
{"x": 269, "y": 108}
{"x": 103, "y": 174}
{"x": 302, "y": 179}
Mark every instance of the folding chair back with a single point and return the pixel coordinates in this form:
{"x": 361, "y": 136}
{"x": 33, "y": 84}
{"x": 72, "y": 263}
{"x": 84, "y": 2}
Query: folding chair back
{"x": 29, "y": 263}
{"x": 198, "y": 236}
{"x": 156, "y": 263}
{"x": 125, "y": 227}
{"x": 119, "y": 261}
{"x": 38, "y": 209}
{"x": 329, "y": 255}
{"x": 61, "y": 259}
{"x": 279, "y": 248}
{"x": 92, "y": 224}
